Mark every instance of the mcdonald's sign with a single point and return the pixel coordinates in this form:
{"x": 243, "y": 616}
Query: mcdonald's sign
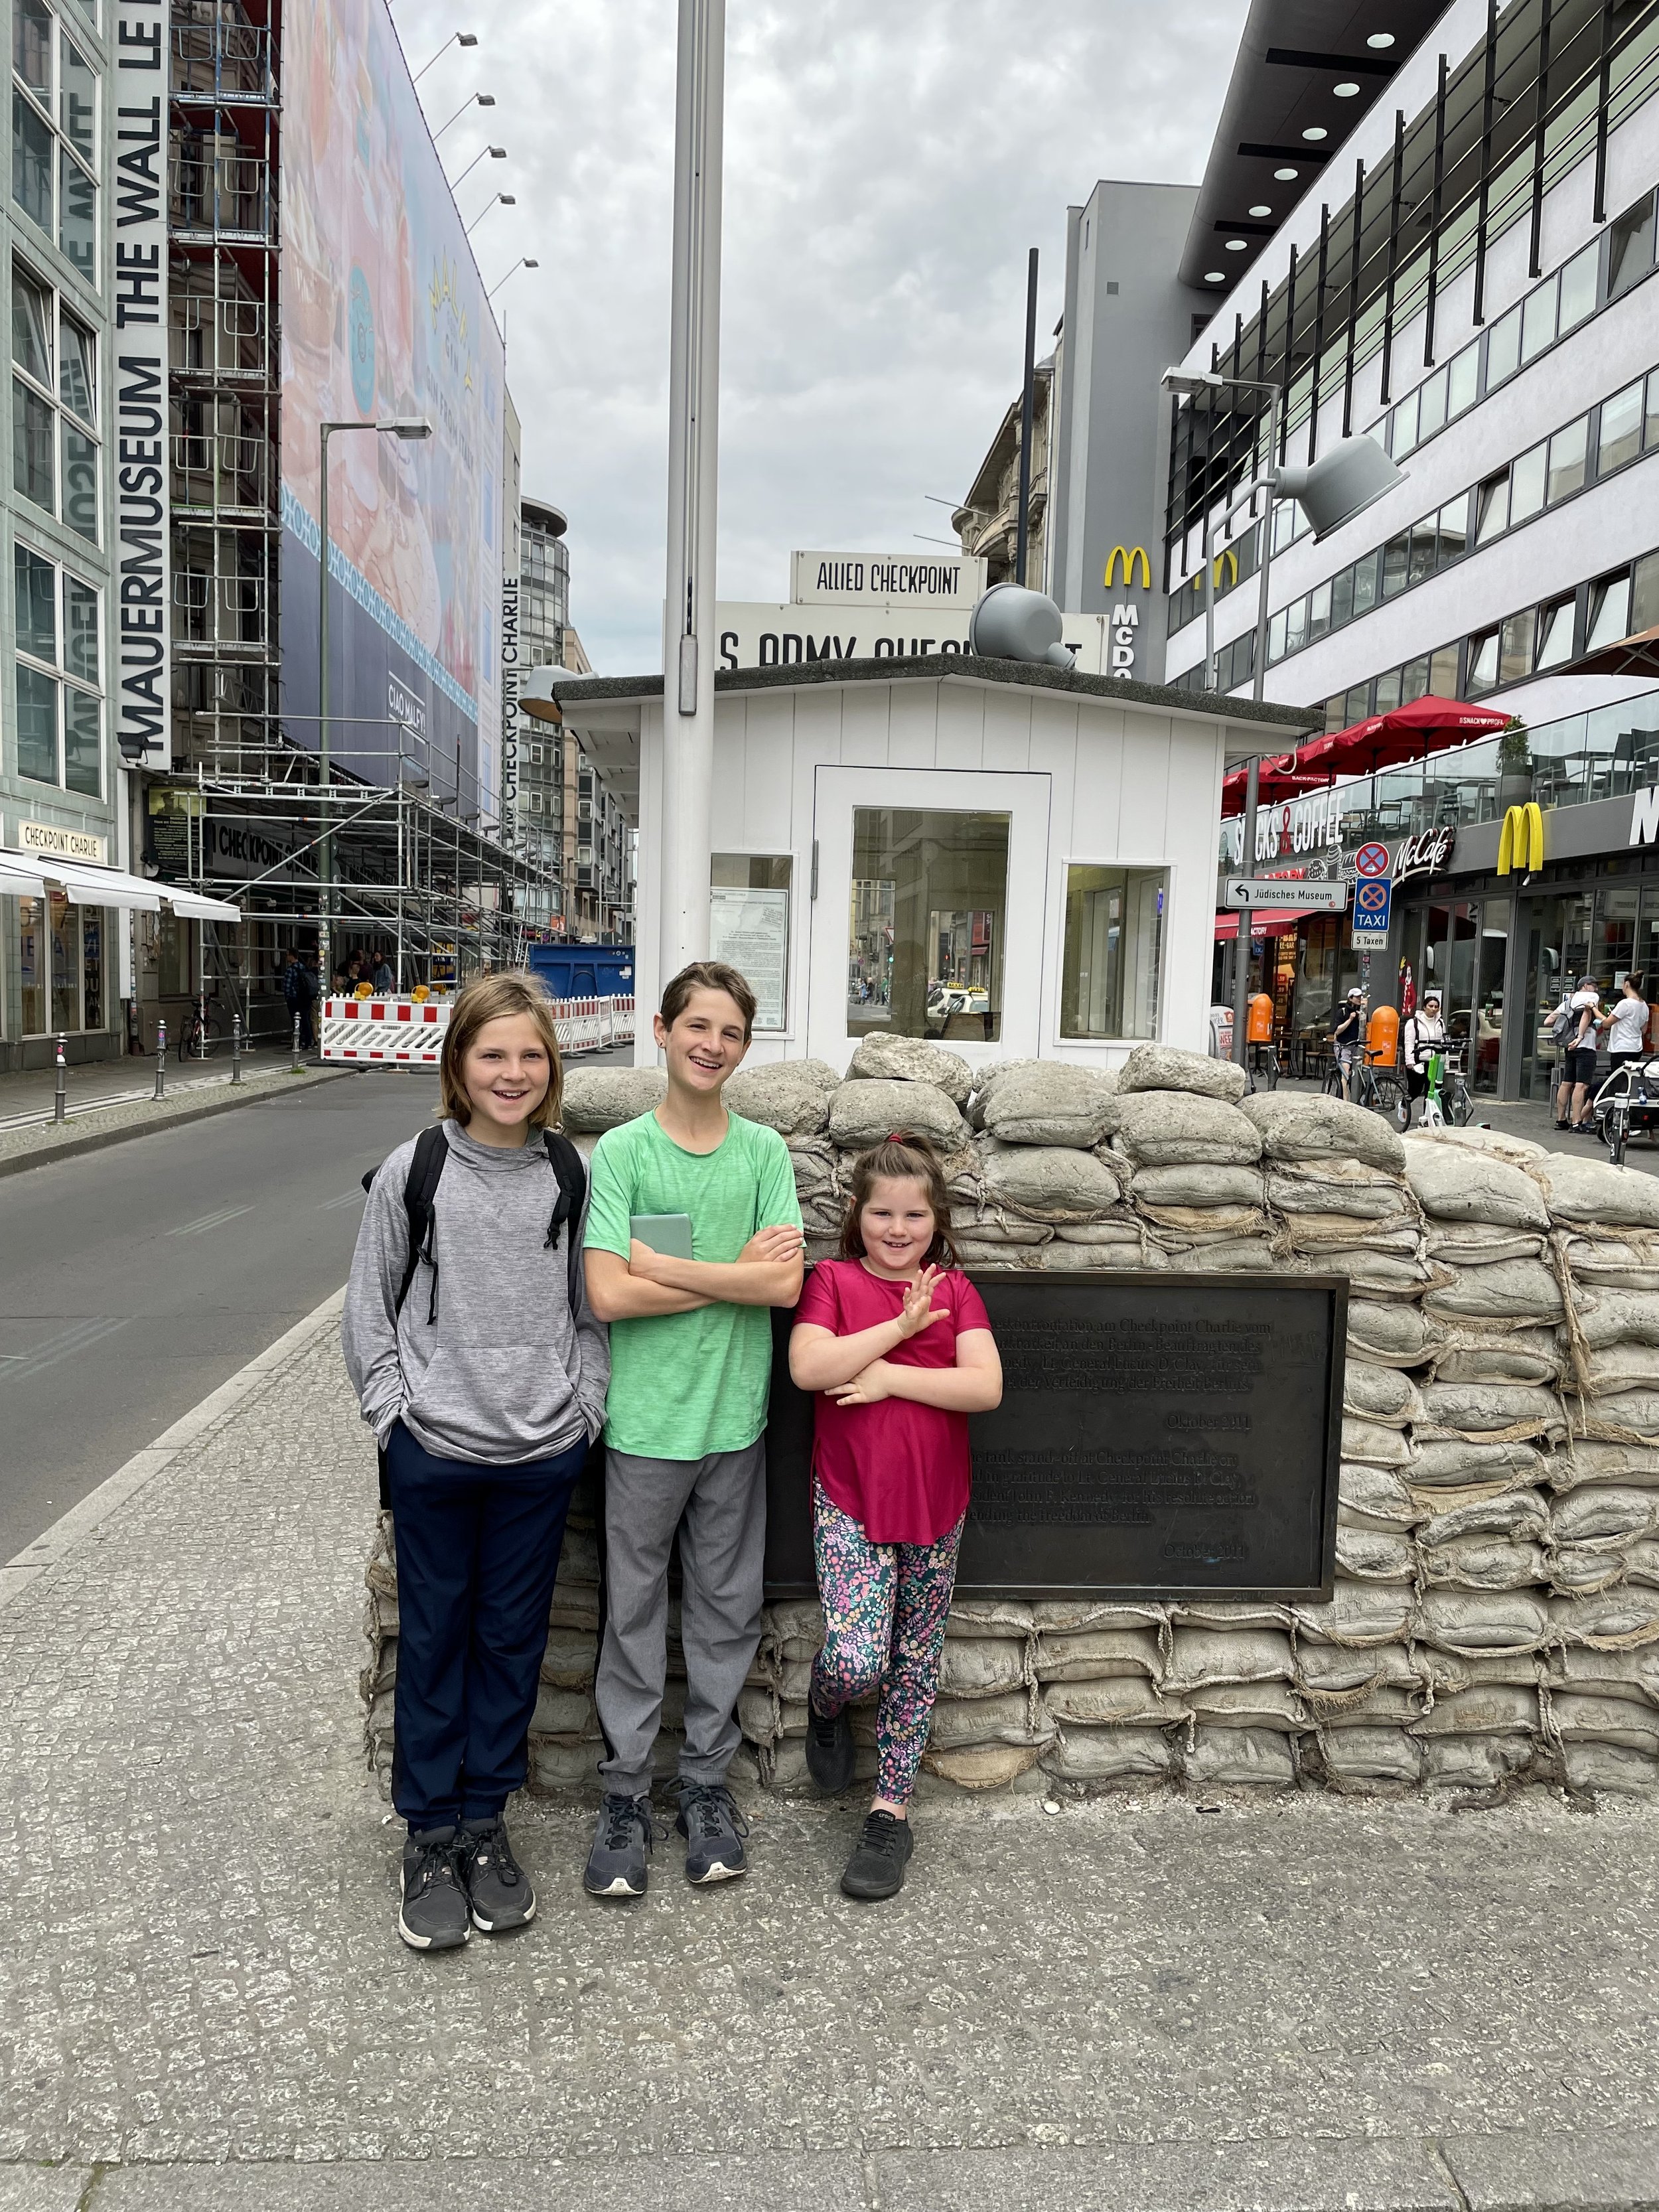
{"x": 1127, "y": 557}
{"x": 1521, "y": 843}
{"x": 1225, "y": 561}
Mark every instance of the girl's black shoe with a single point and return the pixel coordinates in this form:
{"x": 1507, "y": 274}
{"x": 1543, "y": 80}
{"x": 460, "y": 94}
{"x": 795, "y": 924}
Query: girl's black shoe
{"x": 830, "y": 1752}
{"x": 877, "y": 1867}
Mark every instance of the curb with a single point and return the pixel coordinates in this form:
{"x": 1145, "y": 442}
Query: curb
{"x": 95, "y": 1140}
{"x": 85, "y": 1520}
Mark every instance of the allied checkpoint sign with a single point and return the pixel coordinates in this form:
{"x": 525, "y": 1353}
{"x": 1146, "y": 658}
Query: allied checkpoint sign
{"x": 1160, "y": 1436}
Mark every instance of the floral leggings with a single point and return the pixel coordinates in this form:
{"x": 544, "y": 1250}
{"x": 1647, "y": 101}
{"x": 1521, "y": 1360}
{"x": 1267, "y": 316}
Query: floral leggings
{"x": 885, "y": 1608}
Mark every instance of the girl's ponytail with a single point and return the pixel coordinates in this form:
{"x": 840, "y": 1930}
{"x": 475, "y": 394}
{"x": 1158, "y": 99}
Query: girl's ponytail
{"x": 901, "y": 1154}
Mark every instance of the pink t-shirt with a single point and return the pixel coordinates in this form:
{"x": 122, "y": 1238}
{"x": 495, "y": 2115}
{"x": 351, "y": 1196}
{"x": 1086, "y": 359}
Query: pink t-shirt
{"x": 902, "y": 1470}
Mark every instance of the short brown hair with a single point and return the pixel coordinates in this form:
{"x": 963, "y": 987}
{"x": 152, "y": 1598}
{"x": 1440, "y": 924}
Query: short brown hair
{"x": 901, "y": 1154}
{"x": 709, "y": 975}
{"x": 490, "y": 999}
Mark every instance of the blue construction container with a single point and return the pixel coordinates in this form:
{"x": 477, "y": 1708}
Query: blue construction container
{"x": 584, "y": 971}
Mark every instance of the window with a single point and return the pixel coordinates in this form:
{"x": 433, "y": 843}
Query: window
{"x": 1644, "y": 595}
{"x": 54, "y": 448}
{"x": 1403, "y": 422}
{"x": 1538, "y": 321}
{"x": 1395, "y": 556}
{"x": 926, "y": 923}
{"x": 1567, "y": 451}
{"x": 1527, "y": 483}
{"x": 1432, "y": 406}
{"x": 1651, "y": 423}
{"x": 1630, "y": 247}
{"x": 1319, "y": 612}
{"x": 1454, "y": 529}
{"x": 1463, "y": 384}
{"x": 1609, "y": 611}
{"x": 1365, "y": 584}
{"x": 1503, "y": 349}
{"x": 1492, "y": 508}
{"x": 1483, "y": 661}
{"x": 749, "y": 925}
{"x": 1554, "y": 635}
{"x": 1424, "y": 545}
{"x": 1442, "y": 672}
{"x": 59, "y": 704}
{"x": 1342, "y": 598}
{"x": 1618, "y": 434}
{"x": 1515, "y": 646}
{"x": 1578, "y": 281}
{"x": 1113, "y": 951}
{"x": 54, "y": 133}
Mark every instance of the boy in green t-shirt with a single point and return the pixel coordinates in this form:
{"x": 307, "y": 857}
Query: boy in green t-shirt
{"x": 685, "y": 1420}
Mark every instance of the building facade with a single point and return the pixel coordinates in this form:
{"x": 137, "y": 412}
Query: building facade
{"x": 63, "y": 968}
{"x": 1467, "y": 275}
{"x": 987, "y": 521}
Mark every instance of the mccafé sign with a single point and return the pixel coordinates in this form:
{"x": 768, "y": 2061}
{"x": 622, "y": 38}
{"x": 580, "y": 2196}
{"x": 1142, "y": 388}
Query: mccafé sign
{"x": 1426, "y": 854}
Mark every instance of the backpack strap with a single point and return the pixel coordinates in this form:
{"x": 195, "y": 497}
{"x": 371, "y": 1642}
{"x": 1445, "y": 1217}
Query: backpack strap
{"x": 572, "y": 1177}
{"x": 431, "y": 1150}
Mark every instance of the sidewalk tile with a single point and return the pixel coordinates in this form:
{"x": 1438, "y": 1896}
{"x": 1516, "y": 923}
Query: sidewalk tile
{"x": 1169, "y": 2177}
{"x": 781, "y": 2181}
{"x": 1604, "y": 2172}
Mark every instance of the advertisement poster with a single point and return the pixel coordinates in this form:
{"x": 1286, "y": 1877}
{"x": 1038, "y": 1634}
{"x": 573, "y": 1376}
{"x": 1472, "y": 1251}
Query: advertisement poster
{"x": 384, "y": 316}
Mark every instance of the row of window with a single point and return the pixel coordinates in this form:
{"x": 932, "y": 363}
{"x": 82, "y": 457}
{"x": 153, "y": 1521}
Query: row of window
{"x": 1606, "y": 268}
{"x": 54, "y": 387}
{"x": 54, "y": 133}
{"x": 59, "y": 711}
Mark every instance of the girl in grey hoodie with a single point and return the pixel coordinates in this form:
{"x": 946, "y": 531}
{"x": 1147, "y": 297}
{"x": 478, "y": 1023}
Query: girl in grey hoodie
{"x": 483, "y": 1380}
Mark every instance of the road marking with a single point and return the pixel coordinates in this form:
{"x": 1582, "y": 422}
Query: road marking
{"x": 209, "y": 1221}
{"x": 346, "y": 1198}
{"x": 77, "y": 1337}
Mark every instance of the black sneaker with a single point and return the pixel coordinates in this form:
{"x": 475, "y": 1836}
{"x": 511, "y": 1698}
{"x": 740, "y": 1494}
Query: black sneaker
{"x": 498, "y": 1887}
{"x": 714, "y": 1829}
{"x": 433, "y": 1914}
{"x": 623, "y": 1837}
{"x": 831, "y": 1755}
{"x": 880, "y": 1857}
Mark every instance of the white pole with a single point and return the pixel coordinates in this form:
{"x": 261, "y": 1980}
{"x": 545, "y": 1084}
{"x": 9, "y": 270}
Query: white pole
{"x": 686, "y": 820}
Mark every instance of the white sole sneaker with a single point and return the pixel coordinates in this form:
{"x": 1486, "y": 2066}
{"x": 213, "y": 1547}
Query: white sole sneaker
{"x": 430, "y": 1943}
{"x": 505, "y": 1927}
{"x": 717, "y": 1873}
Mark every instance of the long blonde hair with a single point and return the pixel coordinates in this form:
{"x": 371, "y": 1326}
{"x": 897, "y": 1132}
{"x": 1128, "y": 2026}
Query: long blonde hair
{"x": 489, "y": 998}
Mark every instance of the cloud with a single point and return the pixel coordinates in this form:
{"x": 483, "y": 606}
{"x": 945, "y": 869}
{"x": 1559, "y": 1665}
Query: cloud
{"x": 887, "y": 168}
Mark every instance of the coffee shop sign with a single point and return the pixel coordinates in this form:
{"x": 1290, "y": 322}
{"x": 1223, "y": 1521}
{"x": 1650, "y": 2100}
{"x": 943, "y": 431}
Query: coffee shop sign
{"x": 1426, "y": 854}
{"x": 1301, "y": 825}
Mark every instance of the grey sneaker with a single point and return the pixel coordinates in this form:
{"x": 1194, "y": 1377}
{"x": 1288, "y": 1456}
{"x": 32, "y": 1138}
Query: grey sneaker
{"x": 714, "y": 1829}
{"x": 433, "y": 1914}
{"x": 831, "y": 1754}
{"x": 880, "y": 1857}
{"x": 498, "y": 1887}
{"x": 622, "y": 1839}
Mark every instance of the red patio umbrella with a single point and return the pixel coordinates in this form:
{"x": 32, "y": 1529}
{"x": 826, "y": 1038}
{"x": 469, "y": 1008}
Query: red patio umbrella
{"x": 1277, "y": 780}
{"x": 1411, "y": 732}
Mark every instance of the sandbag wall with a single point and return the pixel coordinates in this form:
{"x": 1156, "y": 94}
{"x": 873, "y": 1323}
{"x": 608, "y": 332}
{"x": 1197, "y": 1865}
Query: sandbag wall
{"x": 1497, "y": 1606}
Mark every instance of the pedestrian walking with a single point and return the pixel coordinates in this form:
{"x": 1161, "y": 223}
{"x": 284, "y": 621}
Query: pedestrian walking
{"x": 894, "y": 1341}
{"x": 1345, "y": 1037}
{"x": 383, "y": 981}
{"x": 482, "y": 1369}
{"x": 693, "y": 1233}
{"x": 300, "y": 996}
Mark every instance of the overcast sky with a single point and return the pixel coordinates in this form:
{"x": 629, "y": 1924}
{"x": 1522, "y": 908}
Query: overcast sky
{"x": 888, "y": 164}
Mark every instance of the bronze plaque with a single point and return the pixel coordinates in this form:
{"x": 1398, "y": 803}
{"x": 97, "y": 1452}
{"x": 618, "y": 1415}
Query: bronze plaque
{"x": 1160, "y": 1436}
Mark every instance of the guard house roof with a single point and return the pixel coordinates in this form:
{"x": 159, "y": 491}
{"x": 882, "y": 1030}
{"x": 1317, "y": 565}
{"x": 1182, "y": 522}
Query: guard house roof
{"x": 1296, "y": 63}
{"x": 606, "y": 711}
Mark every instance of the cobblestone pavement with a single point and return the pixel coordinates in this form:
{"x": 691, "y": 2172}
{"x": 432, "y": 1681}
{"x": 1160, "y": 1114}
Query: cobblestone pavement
{"x": 1155, "y": 2002}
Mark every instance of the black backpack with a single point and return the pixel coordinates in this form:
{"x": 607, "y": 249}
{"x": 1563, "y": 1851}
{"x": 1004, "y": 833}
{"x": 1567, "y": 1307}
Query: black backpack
{"x": 431, "y": 1150}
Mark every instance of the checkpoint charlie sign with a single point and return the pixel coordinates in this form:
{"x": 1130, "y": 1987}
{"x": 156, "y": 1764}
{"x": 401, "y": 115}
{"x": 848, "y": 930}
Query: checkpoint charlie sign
{"x": 1160, "y": 1436}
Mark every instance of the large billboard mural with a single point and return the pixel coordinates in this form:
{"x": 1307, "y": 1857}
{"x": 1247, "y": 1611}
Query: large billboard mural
{"x": 384, "y": 316}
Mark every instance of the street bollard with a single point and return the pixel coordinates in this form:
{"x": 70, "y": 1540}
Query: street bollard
{"x": 235, "y": 1049}
{"x": 160, "y": 1060}
{"x": 60, "y": 1097}
{"x": 298, "y": 1063}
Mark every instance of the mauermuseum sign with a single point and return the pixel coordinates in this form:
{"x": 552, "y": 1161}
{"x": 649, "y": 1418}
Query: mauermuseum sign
{"x": 1159, "y": 1435}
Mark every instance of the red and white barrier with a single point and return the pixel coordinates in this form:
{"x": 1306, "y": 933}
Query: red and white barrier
{"x": 410, "y": 1032}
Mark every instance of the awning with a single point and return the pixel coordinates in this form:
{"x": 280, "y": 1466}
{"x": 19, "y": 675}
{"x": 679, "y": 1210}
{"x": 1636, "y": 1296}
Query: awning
{"x": 1636, "y": 655}
{"x": 28, "y": 875}
{"x": 1268, "y": 921}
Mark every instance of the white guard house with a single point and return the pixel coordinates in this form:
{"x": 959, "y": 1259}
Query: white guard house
{"x": 1017, "y": 861}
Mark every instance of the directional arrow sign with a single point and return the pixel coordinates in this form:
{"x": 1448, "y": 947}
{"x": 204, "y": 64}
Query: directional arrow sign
{"x": 1270, "y": 891}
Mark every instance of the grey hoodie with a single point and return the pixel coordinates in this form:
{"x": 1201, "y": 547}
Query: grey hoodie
{"x": 501, "y": 1374}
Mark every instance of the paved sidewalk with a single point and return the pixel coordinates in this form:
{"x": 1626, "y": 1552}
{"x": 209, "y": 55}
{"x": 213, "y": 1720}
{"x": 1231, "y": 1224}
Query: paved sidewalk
{"x": 1164, "y": 2005}
{"x": 189, "y": 1097}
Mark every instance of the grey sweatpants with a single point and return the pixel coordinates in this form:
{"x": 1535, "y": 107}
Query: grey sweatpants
{"x": 718, "y": 1506}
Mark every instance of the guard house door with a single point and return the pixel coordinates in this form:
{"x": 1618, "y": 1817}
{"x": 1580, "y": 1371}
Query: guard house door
{"x": 930, "y": 894}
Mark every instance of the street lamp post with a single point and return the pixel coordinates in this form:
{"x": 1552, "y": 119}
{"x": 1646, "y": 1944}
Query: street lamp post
{"x": 500, "y": 199}
{"x": 1341, "y": 483}
{"x": 472, "y": 100}
{"x": 400, "y": 427}
{"x": 526, "y": 261}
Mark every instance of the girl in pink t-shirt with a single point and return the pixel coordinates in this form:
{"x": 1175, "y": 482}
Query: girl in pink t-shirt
{"x": 895, "y": 1340}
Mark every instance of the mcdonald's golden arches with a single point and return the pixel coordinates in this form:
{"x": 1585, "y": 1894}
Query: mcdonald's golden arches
{"x": 1226, "y": 559}
{"x": 1520, "y": 842}
{"x": 1127, "y": 557}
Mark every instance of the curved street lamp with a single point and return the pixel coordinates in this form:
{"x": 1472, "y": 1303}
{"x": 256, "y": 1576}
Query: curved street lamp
{"x": 528, "y": 262}
{"x": 500, "y": 199}
{"x": 459, "y": 39}
{"x": 473, "y": 100}
{"x": 495, "y": 153}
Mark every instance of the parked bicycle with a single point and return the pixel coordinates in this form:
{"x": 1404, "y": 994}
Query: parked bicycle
{"x": 203, "y": 1034}
{"x": 1376, "y": 1088}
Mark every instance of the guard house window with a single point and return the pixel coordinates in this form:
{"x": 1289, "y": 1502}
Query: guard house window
{"x": 54, "y": 133}
{"x": 1112, "y": 958}
{"x": 54, "y": 389}
{"x": 749, "y": 898}
{"x": 59, "y": 706}
{"x": 926, "y": 922}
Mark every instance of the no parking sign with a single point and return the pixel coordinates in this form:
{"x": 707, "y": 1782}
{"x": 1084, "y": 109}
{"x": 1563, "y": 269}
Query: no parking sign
{"x": 1373, "y": 899}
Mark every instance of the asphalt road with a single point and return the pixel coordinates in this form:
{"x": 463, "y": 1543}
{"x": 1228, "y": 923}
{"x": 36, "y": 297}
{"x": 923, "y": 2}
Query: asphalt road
{"x": 135, "y": 1280}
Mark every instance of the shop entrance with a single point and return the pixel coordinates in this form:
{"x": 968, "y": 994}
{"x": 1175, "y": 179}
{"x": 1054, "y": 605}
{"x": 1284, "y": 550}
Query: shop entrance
{"x": 1604, "y": 931}
{"x": 1457, "y": 947}
{"x": 931, "y": 890}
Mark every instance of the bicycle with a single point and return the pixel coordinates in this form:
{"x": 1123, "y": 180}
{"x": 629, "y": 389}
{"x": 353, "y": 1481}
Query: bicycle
{"x": 1263, "y": 1064}
{"x": 1376, "y": 1088}
{"x": 203, "y": 1034}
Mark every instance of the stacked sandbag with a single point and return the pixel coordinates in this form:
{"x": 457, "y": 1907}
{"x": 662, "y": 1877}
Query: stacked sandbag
{"x": 1496, "y": 1606}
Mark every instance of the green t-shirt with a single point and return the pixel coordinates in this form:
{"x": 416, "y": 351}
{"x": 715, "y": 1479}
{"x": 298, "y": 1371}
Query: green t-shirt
{"x": 684, "y": 1385}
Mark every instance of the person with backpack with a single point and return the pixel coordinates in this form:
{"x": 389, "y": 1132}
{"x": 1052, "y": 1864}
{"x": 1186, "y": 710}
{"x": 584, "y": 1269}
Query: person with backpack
{"x": 694, "y": 1233}
{"x": 1576, "y": 1022}
{"x": 1424, "y": 1035}
{"x": 482, "y": 1369}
